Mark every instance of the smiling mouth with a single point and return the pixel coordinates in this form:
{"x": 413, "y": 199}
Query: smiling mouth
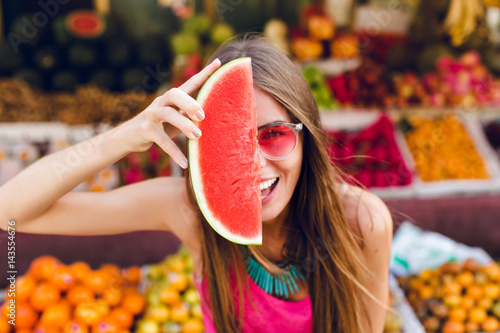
{"x": 268, "y": 186}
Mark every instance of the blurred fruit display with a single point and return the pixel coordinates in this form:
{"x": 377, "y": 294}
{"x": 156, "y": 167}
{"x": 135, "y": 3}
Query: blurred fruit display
{"x": 87, "y": 105}
{"x": 173, "y": 303}
{"x": 201, "y": 35}
{"x": 317, "y": 37}
{"x": 17, "y": 154}
{"x": 448, "y": 26}
{"x": 442, "y": 149}
{"x": 136, "y": 167}
{"x": 393, "y": 319}
{"x": 463, "y": 82}
{"x": 54, "y": 297}
{"x": 365, "y": 86}
{"x": 84, "y": 46}
{"x": 456, "y": 297}
{"x": 198, "y": 38}
{"x": 492, "y": 131}
{"x": 319, "y": 88}
{"x": 276, "y": 31}
{"x": 371, "y": 156}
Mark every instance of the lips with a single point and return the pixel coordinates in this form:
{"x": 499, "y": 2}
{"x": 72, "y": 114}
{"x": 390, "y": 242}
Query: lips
{"x": 269, "y": 189}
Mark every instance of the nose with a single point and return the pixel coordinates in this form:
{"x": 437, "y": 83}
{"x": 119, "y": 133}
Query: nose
{"x": 263, "y": 159}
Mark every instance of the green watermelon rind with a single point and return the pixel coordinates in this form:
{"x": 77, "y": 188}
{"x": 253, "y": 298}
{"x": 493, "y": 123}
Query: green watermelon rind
{"x": 194, "y": 168}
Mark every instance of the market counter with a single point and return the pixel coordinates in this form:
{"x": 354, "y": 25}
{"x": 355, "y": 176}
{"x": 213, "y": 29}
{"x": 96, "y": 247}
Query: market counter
{"x": 472, "y": 220}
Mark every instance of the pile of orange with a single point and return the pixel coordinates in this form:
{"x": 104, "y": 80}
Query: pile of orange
{"x": 173, "y": 303}
{"x": 456, "y": 298}
{"x": 56, "y": 298}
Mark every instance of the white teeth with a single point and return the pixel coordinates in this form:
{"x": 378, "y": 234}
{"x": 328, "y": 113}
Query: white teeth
{"x": 267, "y": 183}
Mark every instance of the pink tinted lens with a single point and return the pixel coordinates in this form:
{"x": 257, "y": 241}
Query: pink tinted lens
{"x": 277, "y": 141}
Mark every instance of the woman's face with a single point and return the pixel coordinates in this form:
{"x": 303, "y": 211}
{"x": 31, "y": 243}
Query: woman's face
{"x": 287, "y": 171}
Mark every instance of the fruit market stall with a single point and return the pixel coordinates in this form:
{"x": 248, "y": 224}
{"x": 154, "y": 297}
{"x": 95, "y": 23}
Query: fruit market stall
{"x": 409, "y": 98}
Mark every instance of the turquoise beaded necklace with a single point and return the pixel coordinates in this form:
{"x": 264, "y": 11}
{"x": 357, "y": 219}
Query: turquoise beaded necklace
{"x": 273, "y": 284}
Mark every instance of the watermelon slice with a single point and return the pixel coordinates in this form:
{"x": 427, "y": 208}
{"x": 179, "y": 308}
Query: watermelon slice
{"x": 224, "y": 164}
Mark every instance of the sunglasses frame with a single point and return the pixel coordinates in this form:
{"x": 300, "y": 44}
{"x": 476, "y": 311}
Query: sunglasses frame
{"x": 296, "y": 128}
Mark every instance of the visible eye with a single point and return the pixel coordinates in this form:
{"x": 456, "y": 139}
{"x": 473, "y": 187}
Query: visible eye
{"x": 272, "y": 133}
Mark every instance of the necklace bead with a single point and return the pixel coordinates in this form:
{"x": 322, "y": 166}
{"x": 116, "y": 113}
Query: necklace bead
{"x": 273, "y": 284}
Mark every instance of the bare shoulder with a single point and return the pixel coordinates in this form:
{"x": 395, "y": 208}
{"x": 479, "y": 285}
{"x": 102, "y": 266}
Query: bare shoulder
{"x": 368, "y": 216}
{"x": 170, "y": 199}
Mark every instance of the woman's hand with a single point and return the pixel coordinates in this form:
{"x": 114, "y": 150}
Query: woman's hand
{"x": 168, "y": 116}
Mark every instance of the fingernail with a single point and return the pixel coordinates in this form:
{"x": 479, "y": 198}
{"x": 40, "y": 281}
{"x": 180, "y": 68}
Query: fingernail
{"x": 184, "y": 163}
{"x": 196, "y": 132}
{"x": 200, "y": 115}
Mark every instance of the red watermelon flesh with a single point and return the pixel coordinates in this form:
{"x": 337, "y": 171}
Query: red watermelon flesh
{"x": 224, "y": 164}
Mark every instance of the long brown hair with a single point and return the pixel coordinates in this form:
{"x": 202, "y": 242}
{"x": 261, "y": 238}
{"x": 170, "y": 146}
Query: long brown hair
{"x": 320, "y": 239}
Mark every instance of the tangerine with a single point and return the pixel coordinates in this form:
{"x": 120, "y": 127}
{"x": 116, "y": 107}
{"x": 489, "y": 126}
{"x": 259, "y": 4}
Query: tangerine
{"x": 179, "y": 313}
{"x": 159, "y": 313}
{"x": 426, "y": 292}
{"x": 25, "y": 286}
{"x": 56, "y": 315}
{"x": 457, "y": 314}
{"x": 453, "y": 327}
{"x": 111, "y": 268}
{"x": 493, "y": 271}
{"x": 466, "y": 278}
{"x": 477, "y": 315}
{"x": 134, "y": 303}
{"x": 132, "y": 274}
{"x": 192, "y": 326}
{"x": 97, "y": 281}
{"x": 485, "y": 303}
{"x": 26, "y": 316}
{"x": 180, "y": 281}
{"x": 4, "y": 325}
{"x": 44, "y": 296}
{"x": 63, "y": 278}
{"x": 176, "y": 264}
{"x": 472, "y": 327}
{"x": 88, "y": 313}
{"x": 169, "y": 296}
{"x": 490, "y": 324}
{"x": 112, "y": 296}
{"x": 106, "y": 326}
{"x": 102, "y": 308}
{"x": 122, "y": 317}
{"x": 79, "y": 294}
{"x": 468, "y": 302}
{"x": 80, "y": 270}
{"x": 43, "y": 267}
{"x": 475, "y": 292}
{"x": 75, "y": 326}
{"x": 492, "y": 291}
{"x": 471, "y": 265}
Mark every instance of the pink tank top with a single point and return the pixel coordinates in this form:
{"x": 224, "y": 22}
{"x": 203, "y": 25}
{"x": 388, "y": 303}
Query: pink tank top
{"x": 272, "y": 315}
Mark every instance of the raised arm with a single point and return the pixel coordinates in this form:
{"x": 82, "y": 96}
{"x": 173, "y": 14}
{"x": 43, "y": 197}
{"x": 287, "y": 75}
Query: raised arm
{"x": 39, "y": 198}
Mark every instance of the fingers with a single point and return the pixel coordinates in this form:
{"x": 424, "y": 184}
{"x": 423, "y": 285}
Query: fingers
{"x": 165, "y": 143}
{"x": 173, "y": 117}
{"x": 178, "y": 98}
{"x": 196, "y": 81}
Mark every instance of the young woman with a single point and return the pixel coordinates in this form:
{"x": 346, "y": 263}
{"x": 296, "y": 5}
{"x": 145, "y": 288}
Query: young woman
{"x": 328, "y": 242}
